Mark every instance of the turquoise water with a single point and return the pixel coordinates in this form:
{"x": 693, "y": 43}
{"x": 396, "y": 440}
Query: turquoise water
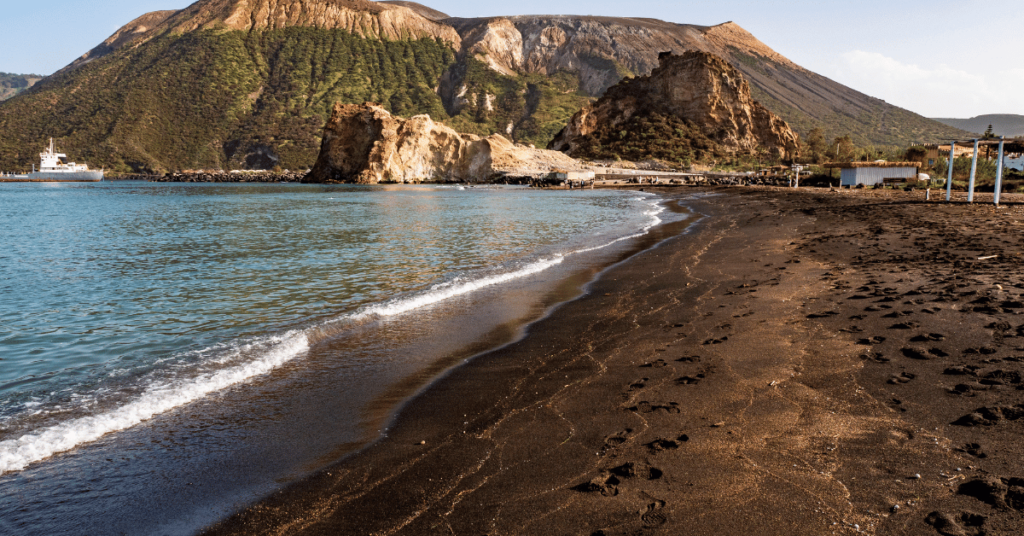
{"x": 123, "y": 304}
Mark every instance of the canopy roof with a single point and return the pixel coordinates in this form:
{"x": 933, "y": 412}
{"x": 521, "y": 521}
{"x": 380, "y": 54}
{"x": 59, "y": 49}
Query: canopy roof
{"x": 1015, "y": 145}
{"x": 847, "y": 165}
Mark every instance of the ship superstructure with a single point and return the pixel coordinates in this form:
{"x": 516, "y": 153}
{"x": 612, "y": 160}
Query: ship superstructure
{"x": 54, "y": 167}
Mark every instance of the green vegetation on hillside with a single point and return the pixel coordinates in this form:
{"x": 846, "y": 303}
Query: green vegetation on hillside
{"x": 210, "y": 99}
{"x": 535, "y": 106}
{"x": 652, "y": 136}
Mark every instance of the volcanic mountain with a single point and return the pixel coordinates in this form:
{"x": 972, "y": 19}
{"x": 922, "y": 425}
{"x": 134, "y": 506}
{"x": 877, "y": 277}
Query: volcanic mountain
{"x": 250, "y": 83}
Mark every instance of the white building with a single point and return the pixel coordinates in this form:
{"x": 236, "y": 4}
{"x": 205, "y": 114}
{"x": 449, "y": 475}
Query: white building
{"x": 875, "y": 173}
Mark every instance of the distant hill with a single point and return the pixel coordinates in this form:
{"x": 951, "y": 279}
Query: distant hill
{"x": 12, "y": 84}
{"x": 1002, "y": 124}
{"x": 250, "y": 83}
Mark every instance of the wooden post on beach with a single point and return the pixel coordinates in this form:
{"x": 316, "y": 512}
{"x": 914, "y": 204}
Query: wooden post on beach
{"x": 949, "y": 179}
{"x": 974, "y": 173}
{"x": 999, "y": 170}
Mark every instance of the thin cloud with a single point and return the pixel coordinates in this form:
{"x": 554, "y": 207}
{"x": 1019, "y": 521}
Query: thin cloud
{"x": 934, "y": 91}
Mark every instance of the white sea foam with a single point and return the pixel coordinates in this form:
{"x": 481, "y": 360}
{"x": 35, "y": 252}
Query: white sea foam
{"x": 268, "y": 354}
{"x": 443, "y": 292}
{"x": 16, "y": 454}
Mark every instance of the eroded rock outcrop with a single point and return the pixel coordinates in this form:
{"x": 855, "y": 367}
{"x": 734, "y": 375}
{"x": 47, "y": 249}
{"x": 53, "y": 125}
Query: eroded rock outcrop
{"x": 698, "y": 91}
{"x": 363, "y": 143}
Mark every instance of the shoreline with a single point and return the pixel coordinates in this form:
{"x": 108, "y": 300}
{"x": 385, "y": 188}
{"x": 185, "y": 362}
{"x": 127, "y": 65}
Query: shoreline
{"x": 775, "y": 371}
{"x": 215, "y": 468}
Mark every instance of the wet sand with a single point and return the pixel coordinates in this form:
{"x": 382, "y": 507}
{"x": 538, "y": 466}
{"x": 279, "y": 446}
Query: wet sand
{"x": 797, "y": 363}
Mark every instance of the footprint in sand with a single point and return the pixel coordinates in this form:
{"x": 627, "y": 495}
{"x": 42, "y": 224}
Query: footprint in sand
{"x": 824, "y": 314}
{"x": 689, "y": 359}
{"x": 1001, "y": 377}
{"x": 657, "y": 363}
{"x": 930, "y": 337}
{"x": 637, "y": 470}
{"x": 638, "y": 385}
{"x": 901, "y": 378}
{"x": 652, "y": 515}
{"x": 615, "y": 440}
{"x": 921, "y": 353}
{"x": 661, "y": 445}
{"x": 689, "y": 380}
{"x": 1002, "y": 493}
{"x": 990, "y": 416}
{"x": 604, "y": 483}
{"x": 877, "y": 358}
{"x": 961, "y": 370}
{"x": 719, "y": 340}
{"x": 647, "y": 407}
{"x": 973, "y": 449}
{"x": 898, "y": 314}
{"x": 871, "y": 340}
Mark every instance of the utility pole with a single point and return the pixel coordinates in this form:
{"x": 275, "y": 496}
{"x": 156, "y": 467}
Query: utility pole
{"x": 949, "y": 180}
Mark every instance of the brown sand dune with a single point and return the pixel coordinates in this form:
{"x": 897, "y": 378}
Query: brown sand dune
{"x": 811, "y": 363}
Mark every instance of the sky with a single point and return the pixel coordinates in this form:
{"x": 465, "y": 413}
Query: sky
{"x": 938, "y": 58}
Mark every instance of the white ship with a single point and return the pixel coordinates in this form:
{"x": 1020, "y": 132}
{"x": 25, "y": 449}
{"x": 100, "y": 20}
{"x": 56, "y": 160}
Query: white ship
{"x": 54, "y": 167}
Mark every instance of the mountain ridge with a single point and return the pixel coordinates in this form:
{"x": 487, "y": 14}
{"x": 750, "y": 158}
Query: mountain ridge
{"x": 388, "y": 20}
{"x": 585, "y": 45}
{"x": 256, "y": 80}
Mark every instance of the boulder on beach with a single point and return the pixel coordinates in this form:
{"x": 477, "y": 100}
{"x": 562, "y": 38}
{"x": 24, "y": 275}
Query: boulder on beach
{"x": 365, "y": 144}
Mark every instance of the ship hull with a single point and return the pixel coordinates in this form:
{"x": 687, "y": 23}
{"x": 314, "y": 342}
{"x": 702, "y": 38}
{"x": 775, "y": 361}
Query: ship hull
{"x": 77, "y": 176}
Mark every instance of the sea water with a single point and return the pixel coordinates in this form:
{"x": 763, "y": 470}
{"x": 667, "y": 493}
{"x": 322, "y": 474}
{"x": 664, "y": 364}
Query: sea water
{"x": 171, "y": 351}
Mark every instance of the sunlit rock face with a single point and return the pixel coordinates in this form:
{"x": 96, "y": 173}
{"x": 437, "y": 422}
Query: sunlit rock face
{"x": 695, "y": 87}
{"x": 363, "y": 143}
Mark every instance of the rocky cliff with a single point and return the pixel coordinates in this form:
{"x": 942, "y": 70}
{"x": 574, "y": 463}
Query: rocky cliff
{"x": 365, "y": 144}
{"x": 380, "y": 20}
{"x": 699, "y": 92}
{"x": 597, "y": 52}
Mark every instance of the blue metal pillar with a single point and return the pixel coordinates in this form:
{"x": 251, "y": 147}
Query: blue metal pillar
{"x": 999, "y": 169}
{"x": 974, "y": 173}
{"x": 949, "y": 180}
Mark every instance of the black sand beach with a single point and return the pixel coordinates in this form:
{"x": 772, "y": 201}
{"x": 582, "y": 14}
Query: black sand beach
{"x": 798, "y": 363}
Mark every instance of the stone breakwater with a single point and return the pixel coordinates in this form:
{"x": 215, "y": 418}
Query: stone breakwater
{"x": 222, "y": 176}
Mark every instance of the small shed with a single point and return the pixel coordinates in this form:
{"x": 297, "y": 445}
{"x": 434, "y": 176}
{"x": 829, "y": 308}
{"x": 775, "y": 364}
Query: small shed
{"x": 875, "y": 173}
